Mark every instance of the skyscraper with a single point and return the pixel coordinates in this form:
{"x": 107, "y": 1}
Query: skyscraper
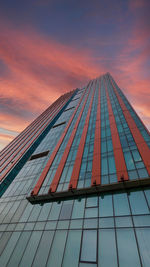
{"x": 75, "y": 184}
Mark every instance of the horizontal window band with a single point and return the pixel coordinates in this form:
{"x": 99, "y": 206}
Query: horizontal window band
{"x": 68, "y": 109}
{"x": 84, "y": 192}
{"x": 75, "y": 99}
{"x": 40, "y": 155}
{"x": 59, "y": 124}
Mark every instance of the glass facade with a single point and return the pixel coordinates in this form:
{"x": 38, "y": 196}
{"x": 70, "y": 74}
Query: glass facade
{"x": 107, "y": 224}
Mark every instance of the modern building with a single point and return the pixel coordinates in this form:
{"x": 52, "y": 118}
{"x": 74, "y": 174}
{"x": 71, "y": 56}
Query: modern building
{"x": 75, "y": 184}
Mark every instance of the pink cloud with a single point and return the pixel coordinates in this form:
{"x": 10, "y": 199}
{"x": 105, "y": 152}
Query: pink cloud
{"x": 40, "y": 69}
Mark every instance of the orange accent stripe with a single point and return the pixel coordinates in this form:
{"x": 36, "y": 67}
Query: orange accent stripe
{"x": 139, "y": 140}
{"x": 96, "y": 167}
{"x": 77, "y": 164}
{"x": 118, "y": 153}
{"x": 52, "y": 157}
{"x": 57, "y": 176}
{"x": 26, "y": 148}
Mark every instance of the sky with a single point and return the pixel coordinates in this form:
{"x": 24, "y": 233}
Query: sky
{"x": 49, "y": 47}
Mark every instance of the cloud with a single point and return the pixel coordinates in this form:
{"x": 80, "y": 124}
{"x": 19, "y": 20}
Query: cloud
{"x": 37, "y": 69}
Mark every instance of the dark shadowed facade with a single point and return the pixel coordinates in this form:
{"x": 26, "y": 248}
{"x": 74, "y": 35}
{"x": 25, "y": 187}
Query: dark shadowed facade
{"x": 75, "y": 184}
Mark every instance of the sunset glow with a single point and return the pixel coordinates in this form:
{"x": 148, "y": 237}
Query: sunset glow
{"x": 47, "y": 49}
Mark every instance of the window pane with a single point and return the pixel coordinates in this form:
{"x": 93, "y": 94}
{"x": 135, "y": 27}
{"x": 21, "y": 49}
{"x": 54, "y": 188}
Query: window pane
{"x": 31, "y": 249}
{"x": 138, "y": 202}
{"x": 43, "y": 249}
{"x": 143, "y": 236}
{"x": 56, "y": 254}
{"x": 9, "y": 248}
{"x": 136, "y": 155}
{"x": 54, "y": 214}
{"x": 19, "y": 249}
{"x": 78, "y": 209}
{"x": 121, "y": 205}
{"x": 107, "y": 249}
{"x": 129, "y": 161}
{"x": 91, "y": 202}
{"x": 127, "y": 248}
{"x": 104, "y": 169}
{"x": 89, "y": 245}
{"x": 105, "y": 206}
{"x": 91, "y": 212}
{"x": 112, "y": 167}
{"x": 65, "y": 211}
{"x": 72, "y": 249}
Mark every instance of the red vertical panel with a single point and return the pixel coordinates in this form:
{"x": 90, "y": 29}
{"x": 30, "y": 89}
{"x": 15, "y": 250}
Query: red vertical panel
{"x": 50, "y": 161}
{"x": 77, "y": 164}
{"x": 26, "y": 148}
{"x": 96, "y": 167}
{"x": 139, "y": 140}
{"x": 57, "y": 176}
{"x": 118, "y": 153}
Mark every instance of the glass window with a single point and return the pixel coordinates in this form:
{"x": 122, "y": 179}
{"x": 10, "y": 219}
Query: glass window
{"x": 107, "y": 255}
{"x": 31, "y": 249}
{"x": 19, "y": 249}
{"x": 109, "y": 145}
{"x": 143, "y": 173}
{"x": 89, "y": 246}
{"x": 9, "y": 248}
{"x": 111, "y": 163}
{"x": 143, "y": 237}
{"x": 5, "y": 237}
{"x": 91, "y": 212}
{"x": 44, "y": 212}
{"x": 76, "y": 224}
{"x": 129, "y": 161}
{"x": 123, "y": 221}
{"x": 105, "y": 206}
{"x": 65, "y": 211}
{"x": 147, "y": 193}
{"x": 121, "y": 206}
{"x": 127, "y": 248}
{"x": 136, "y": 155}
{"x": 90, "y": 223}
{"x": 106, "y": 222}
{"x": 142, "y": 220}
{"x": 54, "y": 214}
{"x": 72, "y": 250}
{"x": 104, "y": 165}
{"x": 103, "y": 147}
{"x": 138, "y": 202}
{"x": 78, "y": 209}
{"x": 43, "y": 249}
{"x": 56, "y": 254}
{"x": 92, "y": 202}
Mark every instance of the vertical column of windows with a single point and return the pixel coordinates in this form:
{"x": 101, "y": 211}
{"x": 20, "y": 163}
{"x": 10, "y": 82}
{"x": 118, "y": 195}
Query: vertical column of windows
{"x": 52, "y": 171}
{"x": 69, "y": 165}
{"x": 135, "y": 117}
{"x": 108, "y": 167}
{"x": 87, "y": 158}
{"x": 135, "y": 165}
{"x": 26, "y": 145}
